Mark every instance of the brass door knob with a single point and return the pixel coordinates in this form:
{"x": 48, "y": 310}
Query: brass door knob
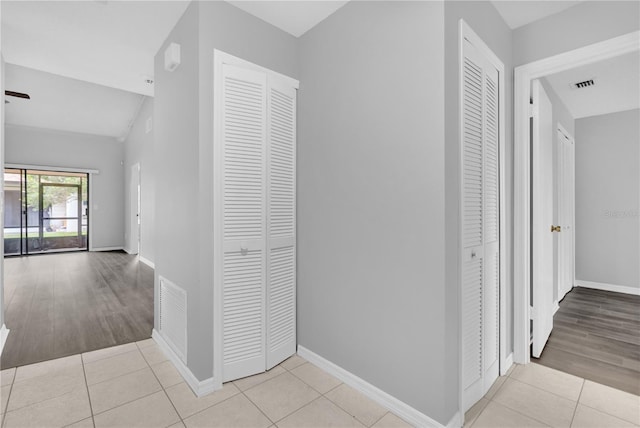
{"x": 556, "y": 228}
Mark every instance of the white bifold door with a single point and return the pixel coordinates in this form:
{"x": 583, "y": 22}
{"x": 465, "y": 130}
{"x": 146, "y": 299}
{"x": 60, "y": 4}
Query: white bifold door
{"x": 480, "y": 225}
{"x": 255, "y": 225}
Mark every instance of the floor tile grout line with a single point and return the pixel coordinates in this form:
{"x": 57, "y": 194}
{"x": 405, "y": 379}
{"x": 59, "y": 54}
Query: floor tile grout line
{"x": 165, "y": 391}
{"x": 86, "y": 385}
{"x": 540, "y": 389}
{"x": 6, "y": 410}
{"x": 517, "y": 411}
{"x": 575, "y": 410}
{"x": 257, "y": 407}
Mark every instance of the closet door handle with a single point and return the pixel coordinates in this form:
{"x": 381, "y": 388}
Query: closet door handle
{"x": 244, "y": 250}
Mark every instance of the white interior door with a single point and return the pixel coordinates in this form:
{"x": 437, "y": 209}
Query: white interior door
{"x": 542, "y": 219}
{"x": 566, "y": 209}
{"x": 480, "y": 225}
{"x": 134, "y": 204}
{"x": 243, "y": 161}
{"x": 281, "y": 221}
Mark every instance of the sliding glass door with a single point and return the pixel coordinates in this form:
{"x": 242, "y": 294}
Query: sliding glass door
{"x": 46, "y": 211}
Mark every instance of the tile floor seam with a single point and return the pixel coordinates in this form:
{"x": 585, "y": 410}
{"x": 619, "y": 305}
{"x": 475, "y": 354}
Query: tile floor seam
{"x": 166, "y": 394}
{"x": 349, "y": 413}
{"x": 119, "y": 376}
{"x": 86, "y": 385}
{"x": 489, "y": 401}
{"x": 6, "y": 410}
{"x": 206, "y": 408}
{"x": 539, "y": 389}
{"x": 127, "y": 402}
{"x": 111, "y": 356}
{"x": 517, "y": 411}
{"x": 607, "y": 413}
{"x": 577, "y": 403}
{"x": 381, "y": 417}
{"x": 257, "y": 407}
{"x": 299, "y": 408}
{"x": 310, "y": 386}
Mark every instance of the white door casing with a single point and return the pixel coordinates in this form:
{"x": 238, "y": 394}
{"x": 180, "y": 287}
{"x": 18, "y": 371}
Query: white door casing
{"x": 480, "y": 218}
{"x": 134, "y": 210}
{"x": 254, "y": 218}
{"x": 542, "y": 202}
{"x": 566, "y": 212}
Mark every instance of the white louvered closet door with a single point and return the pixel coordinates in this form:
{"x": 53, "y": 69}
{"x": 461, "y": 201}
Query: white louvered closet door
{"x": 281, "y": 222}
{"x": 480, "y": 225}
{"x": 244, "y": 123}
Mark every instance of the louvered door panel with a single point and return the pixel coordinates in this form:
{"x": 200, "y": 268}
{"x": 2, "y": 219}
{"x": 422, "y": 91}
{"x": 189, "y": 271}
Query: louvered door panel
{"x": 472, "y": 223}
{"x": 244, "y": 229}
{"x": 281, "y": 243}
{"x": 491, "y": 277}
{"x": 480, "y": 224}
{"x": 472, "y": 322}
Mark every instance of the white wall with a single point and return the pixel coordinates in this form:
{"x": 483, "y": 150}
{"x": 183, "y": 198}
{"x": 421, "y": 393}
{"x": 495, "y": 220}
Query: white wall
{"x": 33, "y": 146}
{"x": 138, "y": 148}
{"x": 607, "y": 199}
{"x": 371, "y": 238}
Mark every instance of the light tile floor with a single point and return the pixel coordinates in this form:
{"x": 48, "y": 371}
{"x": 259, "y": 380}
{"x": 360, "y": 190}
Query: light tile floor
{"x": 537, "y": 396}
{"x": 135, "y": 385}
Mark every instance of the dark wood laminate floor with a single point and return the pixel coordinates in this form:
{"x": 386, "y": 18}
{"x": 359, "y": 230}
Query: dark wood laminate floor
{"x": 596, "y": 335}
{"x": 63, "y": 304}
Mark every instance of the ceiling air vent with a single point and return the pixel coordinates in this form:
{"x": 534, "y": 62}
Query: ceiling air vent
{"x": 584, "y": 84}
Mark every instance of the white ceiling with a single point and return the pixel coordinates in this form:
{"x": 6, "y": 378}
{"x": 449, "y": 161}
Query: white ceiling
{"x": 111, "y": 43}
{"x": 617, "y": 86}
{"x": 294, "y": 17}
{"x": 64, "y": 104}
{"x": 518, "y": 13}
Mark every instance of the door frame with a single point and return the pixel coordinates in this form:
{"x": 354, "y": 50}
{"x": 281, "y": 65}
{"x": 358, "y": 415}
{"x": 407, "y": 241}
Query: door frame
{"x": 466, "y": 32}
{"x": 133, "y": 245}
{"x": 523, "y": 75}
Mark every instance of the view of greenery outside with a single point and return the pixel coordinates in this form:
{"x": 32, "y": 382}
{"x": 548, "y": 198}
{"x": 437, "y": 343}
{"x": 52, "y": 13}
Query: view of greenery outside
{"x": 52, "y": 195}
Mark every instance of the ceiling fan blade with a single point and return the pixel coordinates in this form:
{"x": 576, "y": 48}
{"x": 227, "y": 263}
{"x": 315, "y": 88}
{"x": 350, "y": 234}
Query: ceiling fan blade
{"x": 17, "y": 95}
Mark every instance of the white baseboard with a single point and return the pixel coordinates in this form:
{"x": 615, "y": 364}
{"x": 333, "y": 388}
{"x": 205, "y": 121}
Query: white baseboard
{"x": 556, "y": 306}
{"x": 609, "y": 287}
{"x": 508, "y": 362}
{"x": 408, "y": 413}
{"x": 146, "y": 261}
{"x": 106, "y": 248}
{"x": 4, "y": 333}
{"x": 199, "y": 387}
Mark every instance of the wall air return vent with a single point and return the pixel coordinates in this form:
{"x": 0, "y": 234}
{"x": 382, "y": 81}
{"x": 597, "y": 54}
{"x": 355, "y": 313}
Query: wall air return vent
{"x": 584, "y": 84}
{"x": 173, "y": 317}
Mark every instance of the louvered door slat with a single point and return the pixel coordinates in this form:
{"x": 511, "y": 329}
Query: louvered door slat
{"x": 244, "y": 230}
{"x": 281, "y": 265}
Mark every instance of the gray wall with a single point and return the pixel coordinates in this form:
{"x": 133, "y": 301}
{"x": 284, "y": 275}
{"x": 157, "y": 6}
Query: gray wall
{"x": 484, "y": 19}
{"x": 183, "y": 112}
{"x": 581, "y": 25}
{"x": 607, "y": 194}
{"x": 138, "y": 148}
{"x": 562, "y": 116}
{"x": 371, "y": 238}
{"x": 43, "y": 147}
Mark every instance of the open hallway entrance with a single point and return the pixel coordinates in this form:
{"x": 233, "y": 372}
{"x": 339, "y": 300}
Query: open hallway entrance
{"x": 63, "y": 304}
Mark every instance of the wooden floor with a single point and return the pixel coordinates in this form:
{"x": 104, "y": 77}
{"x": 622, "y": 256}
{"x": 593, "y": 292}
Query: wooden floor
{"x": 64, "y": 304}
{"x": 596, "y": 335}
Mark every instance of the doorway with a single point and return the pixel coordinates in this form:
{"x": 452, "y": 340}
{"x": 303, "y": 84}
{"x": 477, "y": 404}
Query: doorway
{"x": 524, "y": 311}
{"x": 45, "y": 211}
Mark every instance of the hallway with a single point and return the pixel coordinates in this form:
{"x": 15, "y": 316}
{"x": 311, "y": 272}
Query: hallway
{"x": 68, "y": 303}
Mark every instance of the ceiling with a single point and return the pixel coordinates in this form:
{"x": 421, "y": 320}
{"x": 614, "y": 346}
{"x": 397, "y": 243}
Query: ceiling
{"x": 111, "y": 43}
{"x": 294, "y": 17}
{"x": 64, "y": 104}
{"x": 616, "y": 88}
{"x": 518, "y": 13}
